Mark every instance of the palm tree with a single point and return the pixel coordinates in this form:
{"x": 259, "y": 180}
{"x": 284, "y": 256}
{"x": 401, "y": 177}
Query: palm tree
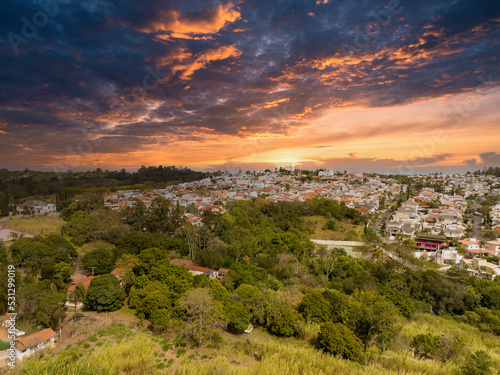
{"x": 78, "y": 295}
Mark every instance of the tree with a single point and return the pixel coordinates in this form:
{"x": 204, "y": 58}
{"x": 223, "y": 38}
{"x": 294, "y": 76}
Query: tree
{"x": 401, "y": 300}
{"x": 337, "y": 339}
{"x": 192, "y": 235}
{"x": 238, "y": 316}
{"x": 282, "y": 319}
{"x": 64, "y": 270}
{"x": 127, "y": 263}
{"x": 314, "y": 307}
{"x": 100, "y": 258}
{"x": 83, "y": 227}
{"x": 161, "y": 317}
{"x": 105, "y": 294}
{"x": 372, "y": 318}
{"x": 152, "y": 297}
{"x": 50, "y": 307}
{"x": 204, "y": 315}
{"x": 78, "y": 295}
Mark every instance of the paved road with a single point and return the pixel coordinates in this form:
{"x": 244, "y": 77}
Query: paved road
{"x": 476, "y": 226}
{"x": 388, "y": 212}
{"x": 385, "y": 215}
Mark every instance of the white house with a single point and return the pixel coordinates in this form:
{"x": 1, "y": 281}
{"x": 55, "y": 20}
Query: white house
{"x": 32, "y": 344}
{"x": 494, "y": 246}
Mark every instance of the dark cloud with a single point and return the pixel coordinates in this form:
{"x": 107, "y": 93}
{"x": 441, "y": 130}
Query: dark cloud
{"x": 490, "y": 159}
{"x": 234, "y": 67}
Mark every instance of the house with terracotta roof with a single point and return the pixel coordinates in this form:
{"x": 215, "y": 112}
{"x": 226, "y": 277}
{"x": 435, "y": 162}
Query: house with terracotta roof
{"x": 222, "y": 273}
{"x": 182, "y": 262}
{"x": 470, "y": 244}
{"x": 118, "y": 273}
{"x": 30, "y": 345}
{"x": 480, "y": 268}
{"x": 71, "y": 289}
{"x": 494, "y": 246}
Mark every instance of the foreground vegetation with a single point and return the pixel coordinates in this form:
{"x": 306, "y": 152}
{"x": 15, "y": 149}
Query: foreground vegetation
{"x": 315, "y": 311}
{"x": 122, "y": 350}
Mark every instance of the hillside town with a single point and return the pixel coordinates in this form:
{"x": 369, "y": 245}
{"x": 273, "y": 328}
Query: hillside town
{"x": 452, "y": 220}
{"x": 440, "y": 213}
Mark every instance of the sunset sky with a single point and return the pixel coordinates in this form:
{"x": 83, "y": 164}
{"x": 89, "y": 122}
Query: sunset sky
{"x": 365, "y": 85}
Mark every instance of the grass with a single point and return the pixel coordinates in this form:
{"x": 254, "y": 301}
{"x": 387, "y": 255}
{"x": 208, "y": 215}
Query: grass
{"x": 36, "y": 225}
{"x": 137, "y": 355}
{"x": 344, "y": 231}
{"x": 4, "y": 345}
{"x": 262, "y": 353}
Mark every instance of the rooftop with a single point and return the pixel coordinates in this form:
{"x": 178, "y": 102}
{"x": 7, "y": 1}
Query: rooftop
{"x": 26, "y": 342}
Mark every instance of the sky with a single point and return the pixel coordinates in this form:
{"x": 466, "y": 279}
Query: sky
{"x": 388, "y": 86}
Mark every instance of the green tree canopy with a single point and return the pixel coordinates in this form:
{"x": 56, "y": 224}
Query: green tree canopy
{"x": 105, "y": 294}
{"x": 337, "y": 339}
{"x": 314, "y": 307}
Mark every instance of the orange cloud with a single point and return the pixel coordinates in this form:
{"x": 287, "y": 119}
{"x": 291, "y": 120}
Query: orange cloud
{"x": 276, "y": 103}
{"x": 205, "y": 58}
{"x": 181, "y": 26}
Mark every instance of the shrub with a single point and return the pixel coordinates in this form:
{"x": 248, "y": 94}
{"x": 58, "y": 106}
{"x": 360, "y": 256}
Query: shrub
{"x": 282, "y": 320}
{"x": 238, "y": 315}
{"x": 315, "y": 308}
{"x": 105, "y": 294}
{"x": 337, "y": 339}
{"x": 479, "y": 363}
{"x": 426, "y": 344}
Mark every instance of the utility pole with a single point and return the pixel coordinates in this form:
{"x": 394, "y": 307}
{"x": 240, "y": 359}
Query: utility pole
{"x": 93, "y": 270}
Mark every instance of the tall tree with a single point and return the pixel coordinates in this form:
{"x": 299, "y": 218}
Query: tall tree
{"x": 105, "y": 294}
{"x": 78, "y": 295}
{"x": 204, "y": 315}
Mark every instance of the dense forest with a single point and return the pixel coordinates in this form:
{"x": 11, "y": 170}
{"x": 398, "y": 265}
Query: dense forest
{"x": 15, "y": 185}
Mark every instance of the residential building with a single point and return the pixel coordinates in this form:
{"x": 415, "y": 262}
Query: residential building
{"x": 29, "y": 345}
{"x": 430, "y": 242}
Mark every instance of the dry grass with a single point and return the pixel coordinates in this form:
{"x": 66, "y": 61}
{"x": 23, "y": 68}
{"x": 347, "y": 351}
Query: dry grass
{"x": 340, "y": 234}
{"x": 36, "y": 225}
{"x": 131, "y": 351}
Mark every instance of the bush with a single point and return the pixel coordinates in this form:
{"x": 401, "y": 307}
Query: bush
{"x": 330, "y": 225}
{"x": 426, "y": 343}
{"x": 478, "y": 364}
{"x": 105, "y": 294}
{"x": 282, "y": 320}
{"x": 238, "y": 315}
{"x": 315, "y": 308}
{"x": 337, "y": 339}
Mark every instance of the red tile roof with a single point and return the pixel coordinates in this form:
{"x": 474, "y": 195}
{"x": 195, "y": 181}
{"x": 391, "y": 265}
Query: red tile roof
{"x": 197, "y": 269}
{"x": 26, "y": 342}
{"x": 223, "y": 271}
{"x": 181, "y": 262}
{"x": 85, "y": 282}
